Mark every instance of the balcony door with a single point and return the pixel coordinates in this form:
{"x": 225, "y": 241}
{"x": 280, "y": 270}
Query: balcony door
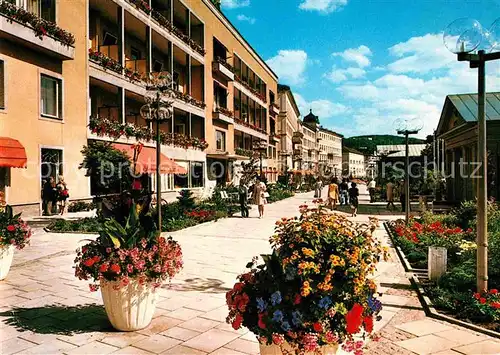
{"x": 45, "y": 9}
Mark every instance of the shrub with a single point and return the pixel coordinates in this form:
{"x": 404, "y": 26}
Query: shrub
{"x": 465, "y": 214}
{"x": 186, "y": 200}
{"x": 86, "y": 225}
{"x": 80, "y": 206}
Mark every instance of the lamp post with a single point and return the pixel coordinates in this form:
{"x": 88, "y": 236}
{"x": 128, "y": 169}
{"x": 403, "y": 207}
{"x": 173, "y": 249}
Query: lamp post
{"x": 158, "y": 108}
{"x": 408, "y": 127}
{"x": 464, "y": 37}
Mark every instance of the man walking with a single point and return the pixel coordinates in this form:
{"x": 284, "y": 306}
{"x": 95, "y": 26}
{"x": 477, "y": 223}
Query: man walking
{"x": 243, "y": 196}
{"x": 318, "y": 188}
{"x": 371, "y": 189}
{"x": 344, "y": 196}
{"x": 390, "y": 195}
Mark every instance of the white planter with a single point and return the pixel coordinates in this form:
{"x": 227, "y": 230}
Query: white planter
{"x": 276, "y": 350}
{"x": 6, "y": 256}
{"x": 129, "y": 308}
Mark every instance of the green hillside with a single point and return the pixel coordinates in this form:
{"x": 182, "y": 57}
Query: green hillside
{"x": 368, "y": 144}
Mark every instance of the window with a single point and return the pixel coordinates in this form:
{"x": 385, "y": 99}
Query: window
{"x": 109, "y": 39}
{"x": 135, "y": 54}
{"x": 182, "y": 181}
{"x": 50, "y": 100}
{"x": 220, "y": 139}
{"x": 197, "y": 174}
{"x": 2, "y": 85}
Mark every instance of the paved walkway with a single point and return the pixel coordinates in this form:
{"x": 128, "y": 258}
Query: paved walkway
{"x": 45, "y": 310}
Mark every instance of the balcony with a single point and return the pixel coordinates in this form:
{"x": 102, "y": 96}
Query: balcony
{"x": 223, "y": 68}
{"x": 223, "y": 114}
{"x": 274, "y": 109}
{"x": 297, "y": 152}
{"x": 274, "y": 137}
{"x": 250, "y": 129}
{"x": 21, "y": 26}
{"x": 296, "y": 138}
{"x": 249, "y": 91}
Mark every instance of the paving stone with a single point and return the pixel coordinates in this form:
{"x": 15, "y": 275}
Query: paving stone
{"x": 157, "y": 343}
{"x": 81, "y": 338}
{"x": 199, "y": 324}
{"x": 244, "y": 346}
{"x": 15, "y": 345}
{"x": 160, "y": 324}
{"x": 424, "y": 327}
{"x": 482, "y": 348}
{"x": 218, "y": 314}
{"x": 123, "y": 339}
{"x": 130, "y": 350}
{"x": 226, "y": 351}
{"x": 427, "y": 344}
{"x": 211, "y": 340}
{"x": 184, "y": 313}
{"x": 446, "y": 352}
{"x": 50, "y": 347}
{"x": 180, "y": 333}
{"x": 461, "y": 337}
{"x": 184, "y": 350}
{"x": 206, "y": 305}
{"x": 93, "y": 347}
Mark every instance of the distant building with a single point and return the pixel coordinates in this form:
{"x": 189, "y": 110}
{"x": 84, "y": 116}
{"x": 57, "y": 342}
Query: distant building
{"x": 288, "y": 124}
{"x": 457, "y": 138}
{"x": 330, "y": 150}
{"x": 399, "y": 150}
{"x": 353, "y": 163}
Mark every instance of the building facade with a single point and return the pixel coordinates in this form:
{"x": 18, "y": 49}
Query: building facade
{"x": 353, "y": 163}
{"x": 85, "y": 85}
{"x": 330, "y": 151}
{"x": 288, "y": 126}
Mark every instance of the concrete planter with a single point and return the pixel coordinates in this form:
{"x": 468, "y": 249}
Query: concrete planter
{"x": 276, "y": 350}
{"x": 6, "y": 256}
{"x": 129, "y": 308}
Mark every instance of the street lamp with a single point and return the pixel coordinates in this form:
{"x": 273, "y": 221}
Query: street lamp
{"x": 463, "y": 37}
{"x": 158, "y": 108}
{"x": 406, "y": 127}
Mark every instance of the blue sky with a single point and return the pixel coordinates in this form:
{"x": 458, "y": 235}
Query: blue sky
{"x": 361, "y": 64}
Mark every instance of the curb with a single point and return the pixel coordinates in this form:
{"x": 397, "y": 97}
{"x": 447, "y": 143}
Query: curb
{"x": 426, "y": 302}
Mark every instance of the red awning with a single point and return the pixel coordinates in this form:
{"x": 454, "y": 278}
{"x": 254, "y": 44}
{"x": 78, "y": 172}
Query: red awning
{"x": 146, "y": 163}
{"x": 12, "y": 153}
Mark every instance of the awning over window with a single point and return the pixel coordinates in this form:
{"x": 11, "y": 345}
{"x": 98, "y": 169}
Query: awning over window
{"x": 12, "y": 153}
{"x": 146, "y": 163}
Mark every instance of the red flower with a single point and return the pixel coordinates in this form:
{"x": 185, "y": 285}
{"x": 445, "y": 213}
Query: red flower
{"x": 238, "y": 287}
{"x": 297, "y": 300}
{"x": 482, "y": 300}
{"x": 354, "y": 319}
{"x": 477, "y": 296}
{"x": 261, "y": 323}
{"x": 89, "y": 262}
{"x": 115, "y": 268}
{"x": 136, "y": 185}
{"x": 104, "y": 268}
{"x": 237, "y": 322}
{"x": 495, "y": 305}
{"x": 11, "y": 228}
{"x": 368, "y": 323}
{"x": 317, "y": 327}
{"x": 493, "y": 291}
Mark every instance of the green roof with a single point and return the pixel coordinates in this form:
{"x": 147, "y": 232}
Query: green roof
{"x": 466, "y": 105}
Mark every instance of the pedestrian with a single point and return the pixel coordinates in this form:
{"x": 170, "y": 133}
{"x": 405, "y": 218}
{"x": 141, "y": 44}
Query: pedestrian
{"x": 259, "y": 195}
{"x": 353, "y": 197}
{"x": 390, "y": 195}
{"x": 62, "y": 194}
{"x": 333, "y": 194}
{"x": 318, "y": 187}
{"x": 344, "y": 195}
{"x": 371, "y": 189}
{"x": 402, "y": 195}
{"x": 243, "y": 196}
{"x": 47, "y": 196}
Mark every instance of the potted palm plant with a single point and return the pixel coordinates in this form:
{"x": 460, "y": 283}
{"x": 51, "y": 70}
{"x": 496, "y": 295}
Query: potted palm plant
{"x": 313, "y": 294}
{"x": 14, "y": 233}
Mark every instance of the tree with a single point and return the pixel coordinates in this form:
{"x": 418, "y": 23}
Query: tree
{"x": 107, "y": 167}
{"x": 249, "y": 171}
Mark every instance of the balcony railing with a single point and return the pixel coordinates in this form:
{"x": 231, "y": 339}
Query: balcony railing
{"x": 115, "y": 130}
{"x": 221, "y": 66}
{"x": 249, "y": 125}
{"x": 224, "y": 111}
{"x": 244, "y": 152}
{"x": 189, "y": 99}
{"x": 252, "y": 90}
{"x": 113, "y": 65}
{"x": 138, "y": 66}
{"x": 39, "y": 26}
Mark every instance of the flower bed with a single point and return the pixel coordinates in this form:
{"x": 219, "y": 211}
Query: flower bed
{"x": 189, "y": 99}
{"x": 455, "y": 292}
{"x": 40, "y": 26}
{"x": 113, "y": 129}
{"x": 254, "y": 91}
{"x": 314, "y": 290}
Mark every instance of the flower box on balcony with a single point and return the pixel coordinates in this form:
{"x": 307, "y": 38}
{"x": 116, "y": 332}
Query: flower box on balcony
{"x": 253, "y": 91}
{"x": 39, "y": 34}
{"x": 189, "y": 99}
{"x": 141, "y": 5}
{"x": 113, "y": 65}
{"x": 223, "y": 114}
{"x": 106, "y": 127}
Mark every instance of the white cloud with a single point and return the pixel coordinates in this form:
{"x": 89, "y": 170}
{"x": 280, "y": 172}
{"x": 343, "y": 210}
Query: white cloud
{"x": 322, "y": 108}
{"x": 289, "y": 65}
{"x": 357, "y": 55}
{"x": 233, "y": 4}
{"x": 340, "y": 75}
{"x": 244, "y": 18}
{"x": 322, "y": 6}
{"x": 415, "y": 86}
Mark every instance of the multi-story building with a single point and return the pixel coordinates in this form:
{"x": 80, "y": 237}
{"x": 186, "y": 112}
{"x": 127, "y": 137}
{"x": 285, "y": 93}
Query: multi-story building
{"x": 353, "y": 163}
{"x": 330, "y": 150}
{"x": 288, "y": 128}
{"x": 81, "y": 82}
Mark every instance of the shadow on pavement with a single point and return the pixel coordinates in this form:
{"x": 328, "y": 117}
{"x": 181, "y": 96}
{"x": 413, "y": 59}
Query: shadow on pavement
{"x": 200, "y": 284}
{"x": 58, "y": 319}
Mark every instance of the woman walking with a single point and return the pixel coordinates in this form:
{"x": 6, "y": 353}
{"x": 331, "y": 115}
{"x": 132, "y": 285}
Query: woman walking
{"x": 62, "y": 194}
{"x": 259, "y": 196}
{"x": 353, "y": 197}
{"x": 333, "y": 195}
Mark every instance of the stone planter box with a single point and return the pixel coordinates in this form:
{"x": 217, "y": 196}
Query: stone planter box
{"x": 6, "y": 257}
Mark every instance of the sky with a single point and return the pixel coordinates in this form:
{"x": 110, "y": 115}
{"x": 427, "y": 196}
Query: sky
{"x": 360, "y": 65}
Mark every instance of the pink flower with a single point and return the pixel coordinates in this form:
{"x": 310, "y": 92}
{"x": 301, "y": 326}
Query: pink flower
{"x": 278, "y": 339}
{"x": 310, "y": 342}
{"x": 130, "y": 268}
{"x": 331, "y": 338}
{"x": 157, "y": 268}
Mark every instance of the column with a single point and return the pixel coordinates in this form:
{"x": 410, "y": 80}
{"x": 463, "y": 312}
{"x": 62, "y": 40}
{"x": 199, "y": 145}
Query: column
{"x": 171, "y": 64}
{"x": 149, "y": 50}
{"x": 188, "y": 61}
{"x": 121, "y": 35}
{"x": 121, "y": 104}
